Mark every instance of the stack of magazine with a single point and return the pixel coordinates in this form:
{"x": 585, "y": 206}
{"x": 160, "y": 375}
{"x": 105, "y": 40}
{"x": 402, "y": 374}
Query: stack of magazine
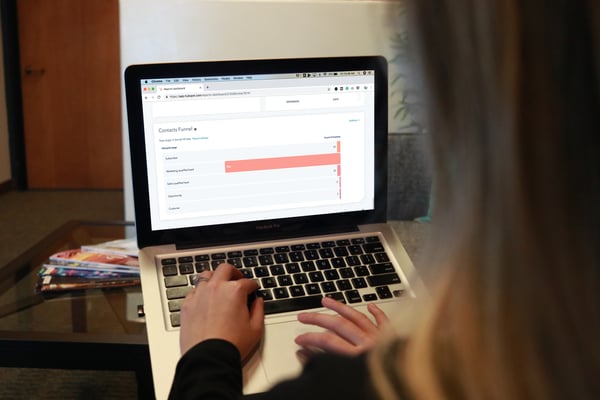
{"x": 104, "y": 265}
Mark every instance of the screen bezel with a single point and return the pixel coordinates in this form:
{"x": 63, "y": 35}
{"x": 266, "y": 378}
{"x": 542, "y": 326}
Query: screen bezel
{"x": 264, "y": 229}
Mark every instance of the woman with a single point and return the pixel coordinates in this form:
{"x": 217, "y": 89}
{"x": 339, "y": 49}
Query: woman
{"x": 513, "y": 97}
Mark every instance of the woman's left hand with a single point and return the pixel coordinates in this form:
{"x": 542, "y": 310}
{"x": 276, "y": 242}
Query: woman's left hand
{"x": 349, "y": 332}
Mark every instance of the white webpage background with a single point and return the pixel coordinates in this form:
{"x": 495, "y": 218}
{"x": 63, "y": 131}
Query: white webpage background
{"x": 191, "y": 139}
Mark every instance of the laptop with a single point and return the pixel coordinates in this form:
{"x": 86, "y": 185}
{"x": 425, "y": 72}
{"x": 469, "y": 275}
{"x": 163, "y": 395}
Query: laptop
{"x": 277, "y": 166}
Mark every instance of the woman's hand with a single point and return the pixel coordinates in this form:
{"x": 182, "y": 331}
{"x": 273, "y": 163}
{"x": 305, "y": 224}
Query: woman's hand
{"x": 350, "y": 332}
{"x": 217, "y": 308}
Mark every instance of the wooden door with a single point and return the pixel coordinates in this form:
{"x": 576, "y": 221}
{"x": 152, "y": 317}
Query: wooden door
{"x": 70, "y": 77}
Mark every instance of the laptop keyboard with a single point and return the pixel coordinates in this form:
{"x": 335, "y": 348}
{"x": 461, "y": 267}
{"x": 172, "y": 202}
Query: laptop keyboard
{"x": 296, "y": 276}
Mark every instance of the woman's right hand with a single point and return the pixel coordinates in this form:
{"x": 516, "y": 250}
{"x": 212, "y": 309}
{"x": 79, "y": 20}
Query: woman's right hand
{"x": 217, "y": 308}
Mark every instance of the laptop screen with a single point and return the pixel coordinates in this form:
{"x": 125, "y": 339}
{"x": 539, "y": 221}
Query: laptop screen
{"x": 240, "y": 142}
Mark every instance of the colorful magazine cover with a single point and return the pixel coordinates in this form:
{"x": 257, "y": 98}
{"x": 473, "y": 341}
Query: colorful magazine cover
{"x": 123, "y": 247}
{"x": 51, "y": 283}
{"x": 89, "y": 259}
{"x": 83, "y": 272}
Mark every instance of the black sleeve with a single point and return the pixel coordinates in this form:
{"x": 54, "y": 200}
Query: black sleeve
{"x": 212, "y": 370}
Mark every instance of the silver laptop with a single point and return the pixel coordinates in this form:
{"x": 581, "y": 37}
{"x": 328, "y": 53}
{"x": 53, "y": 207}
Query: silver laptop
{"x": 278, "y": 167}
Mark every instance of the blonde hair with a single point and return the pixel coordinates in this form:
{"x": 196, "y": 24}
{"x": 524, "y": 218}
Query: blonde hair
{"x": 513, "y": 97}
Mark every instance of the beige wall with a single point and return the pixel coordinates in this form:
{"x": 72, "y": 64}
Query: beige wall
{"x": 5, "y": 174}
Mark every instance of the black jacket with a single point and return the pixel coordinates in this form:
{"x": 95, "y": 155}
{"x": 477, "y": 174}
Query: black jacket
{"x": 212, "y": 370}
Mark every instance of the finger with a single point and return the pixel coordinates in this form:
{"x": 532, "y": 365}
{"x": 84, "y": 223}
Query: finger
{"x": 257, "y": 315}
{"x": 349, "y": 313}
{"x": 327, "y": 341}
{"x": 380, "y": 317}
{"x": 226, "y": 272}
{"x": 346, "y": 329}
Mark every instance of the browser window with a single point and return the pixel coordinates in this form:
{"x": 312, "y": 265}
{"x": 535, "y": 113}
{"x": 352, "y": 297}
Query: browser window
{"x": 240, "y": 148}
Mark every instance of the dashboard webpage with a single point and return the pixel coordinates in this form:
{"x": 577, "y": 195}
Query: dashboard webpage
{"x": 249, "y": 148}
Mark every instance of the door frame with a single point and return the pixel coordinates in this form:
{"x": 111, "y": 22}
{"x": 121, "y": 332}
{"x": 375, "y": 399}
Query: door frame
{"x": 14, "y": 96}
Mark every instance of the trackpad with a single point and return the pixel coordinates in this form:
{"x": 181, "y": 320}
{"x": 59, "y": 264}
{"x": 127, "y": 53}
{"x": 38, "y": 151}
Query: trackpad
{"x": 279, "y": 357}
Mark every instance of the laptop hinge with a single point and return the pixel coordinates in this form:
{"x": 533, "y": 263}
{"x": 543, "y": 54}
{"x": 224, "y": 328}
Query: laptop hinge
{"x": 257, "y": 236}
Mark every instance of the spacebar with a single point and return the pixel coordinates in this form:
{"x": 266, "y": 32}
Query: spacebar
{"x": 294, "y": 304}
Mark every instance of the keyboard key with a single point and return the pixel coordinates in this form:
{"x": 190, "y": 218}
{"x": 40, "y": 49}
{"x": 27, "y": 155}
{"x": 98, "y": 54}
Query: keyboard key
{"x": 367, "y": 259}
{"x": 201, "y": 257}
{"x": 385, "y": 279}
{"x": 169, "y": 270}
{"x": 381, "y": 268}
{"x": 293, "y": 304}
{"x": 357, "y": 240}
{"x": 266, "y": 250}
{"x": 297, "y": 291}
{"x": 247, "y": 273}
{"x": 185, "y": 259}
{"x": 277, "y": 269}
{"x": 383, "y": 292}
{"x": 328, "y": 287}
{"x": 311, "y": 254}
{"x": 328, "y": 243}
{"x": 316, "y": 276}
{"x": 266, "y": 259}
{"x": 186, "y": 268}
{"x": 323, "y": 264}
{"x": 298, "y": 247}
{"x": 178, "y": 292}
{"x": 373, "y": 248}
{"x": 312, "y": 288}
{"x": 218, "y": 256}
{"x": 300, "y": 278}
{"x": 292, "y": 268}
{"x": 282, "y": 249}
{"x": 281, "y": 293}
{"x": 250, "y": 261}
{"x": 202, "y": 266}
{"x": 336, "y": 296}
{"x": 175, "y": 320}
{"x": 313, "y": 246}
{"x": 268, "y": 282}
{"x": 361, "y": 271}
{"x": 355, "y": 249}
{"x": 265, "y": 294}
{"x": 347, "y": 273}
{"x": 372, "y": 239}
{"x": 175, "y": 305}
{"x": 234, "y": 254}
{"x": 382, "y": 257}
{"x": 281, "y": 258}
{"x": 331, "y": 275}
{"x": 352, "y": 261}
{"x": 236, "y": 262}
{"x": 261, "y": 271}
{"x": 168, "y": 261}
{"x": 284, "y": 280}
{"x": 344, "y": 285}
{"x": 353, "y": 296}
{"x": 177, "y": 280}
{"x": 341, "y": 251}
{"x": 308, "y": 266}
{"x": 370, "y": 297}
{"x": 326, "y": 253}
{"x": 296, "y": 256}
{"x": 250, "y": 253}
{"x": 359, "y": 283}
{"x": 338, "y": 262}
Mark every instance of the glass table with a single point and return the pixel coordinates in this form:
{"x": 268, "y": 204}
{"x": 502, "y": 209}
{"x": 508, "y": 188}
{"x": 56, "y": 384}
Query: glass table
{"x": 95, "y": 329}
